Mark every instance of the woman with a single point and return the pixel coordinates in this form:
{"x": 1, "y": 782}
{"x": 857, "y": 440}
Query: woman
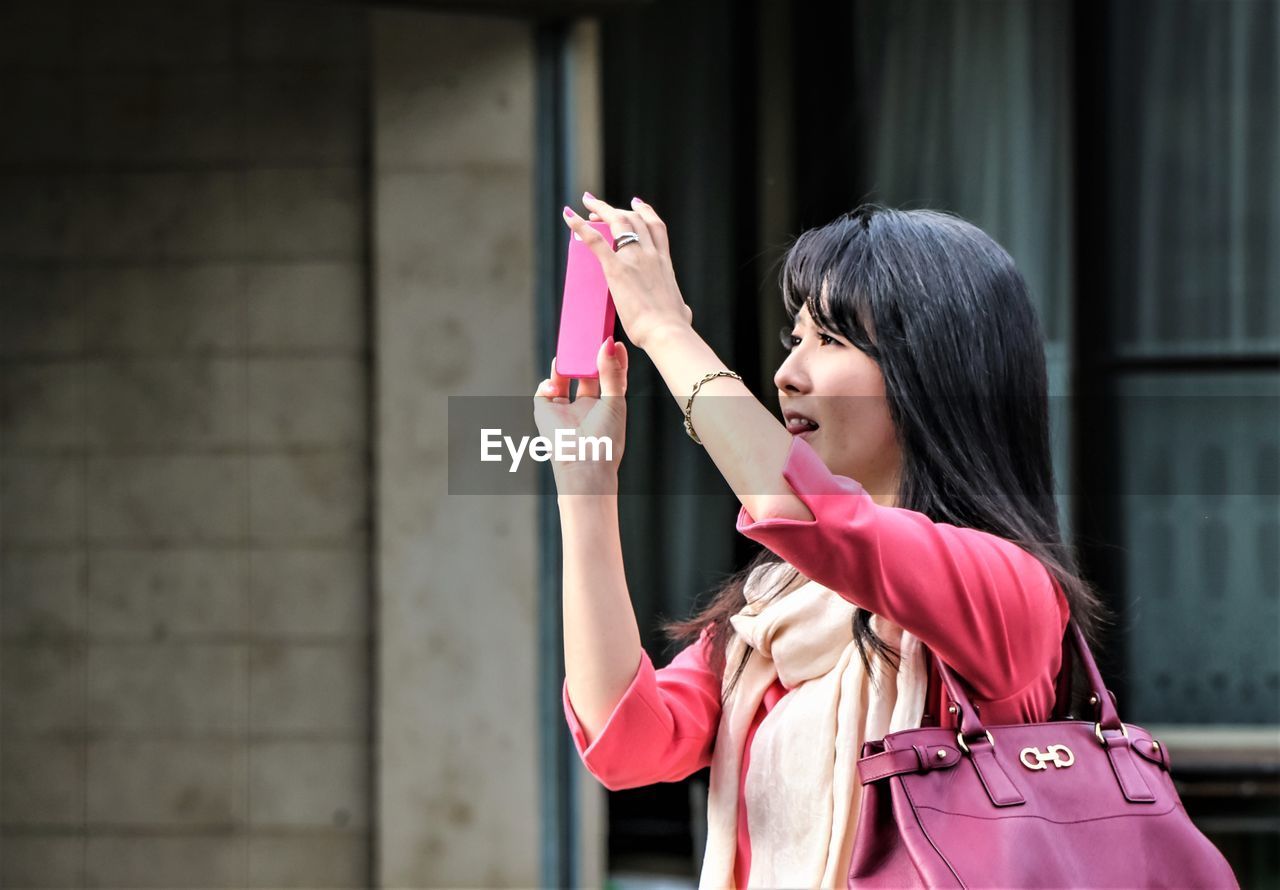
{"x": 907, "y": 502}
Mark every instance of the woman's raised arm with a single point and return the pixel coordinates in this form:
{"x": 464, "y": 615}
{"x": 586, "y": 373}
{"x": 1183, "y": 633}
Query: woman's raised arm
{"x": 601, "y": 638}
{"x": 742, "y": 437}
{"x": 988, "y": 608}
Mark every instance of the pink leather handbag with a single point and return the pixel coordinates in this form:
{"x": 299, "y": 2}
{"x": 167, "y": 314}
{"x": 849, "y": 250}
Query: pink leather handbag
{"x": 1063, "y": 804}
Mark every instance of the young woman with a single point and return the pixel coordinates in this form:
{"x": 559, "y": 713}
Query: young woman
{"x": 906, "y": 502}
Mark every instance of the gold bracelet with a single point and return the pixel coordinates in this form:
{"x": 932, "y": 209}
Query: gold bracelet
{"x": 688, "y": 407}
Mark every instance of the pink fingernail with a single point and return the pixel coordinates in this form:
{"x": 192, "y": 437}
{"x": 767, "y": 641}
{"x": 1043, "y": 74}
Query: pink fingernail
{"x": 608, "y": 347}
{"x": 636, "y": 201}
{"x": 568, "y": 211}
{"x": 588, "y": 196}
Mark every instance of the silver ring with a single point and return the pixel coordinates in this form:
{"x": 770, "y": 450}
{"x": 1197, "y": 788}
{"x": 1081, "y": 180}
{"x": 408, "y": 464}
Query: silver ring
{"x": 623, "y": 239}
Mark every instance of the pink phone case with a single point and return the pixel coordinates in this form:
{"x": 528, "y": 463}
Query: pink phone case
{"x": 586, "y": 313}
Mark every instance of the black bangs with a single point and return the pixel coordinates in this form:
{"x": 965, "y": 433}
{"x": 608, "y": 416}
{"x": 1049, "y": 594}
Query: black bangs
{"x": 837, "y": 258}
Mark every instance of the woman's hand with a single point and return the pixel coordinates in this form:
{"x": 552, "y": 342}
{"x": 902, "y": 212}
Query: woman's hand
{"x": 600, "y": 410}
{"x": 640, "y": 276}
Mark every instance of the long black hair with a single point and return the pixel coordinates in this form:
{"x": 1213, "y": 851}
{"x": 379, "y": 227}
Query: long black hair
{"x": 946, "y": 315}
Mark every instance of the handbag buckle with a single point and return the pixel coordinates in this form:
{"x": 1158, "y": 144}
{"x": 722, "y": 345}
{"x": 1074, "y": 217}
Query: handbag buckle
{"x": 1097, "y": 730}
{"x": 965, "y": 748}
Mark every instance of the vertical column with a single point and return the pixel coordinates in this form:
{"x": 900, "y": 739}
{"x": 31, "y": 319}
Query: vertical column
{"x": 453, "y": 281}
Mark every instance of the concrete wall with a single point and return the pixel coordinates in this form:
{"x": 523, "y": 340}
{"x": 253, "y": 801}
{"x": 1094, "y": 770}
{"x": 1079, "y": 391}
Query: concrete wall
{"x": 203, "y": 207}
{"x": 458, "y": 790}
{"x": 184, "y": 531}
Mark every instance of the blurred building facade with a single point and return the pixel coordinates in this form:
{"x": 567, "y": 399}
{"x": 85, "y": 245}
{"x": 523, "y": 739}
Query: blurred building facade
{"x": 248, "y": 249}
{"x": 210, "y": 473}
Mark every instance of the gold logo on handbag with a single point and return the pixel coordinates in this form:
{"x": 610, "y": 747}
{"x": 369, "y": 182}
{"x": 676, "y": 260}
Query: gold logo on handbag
{"x": 1052, "y": 754}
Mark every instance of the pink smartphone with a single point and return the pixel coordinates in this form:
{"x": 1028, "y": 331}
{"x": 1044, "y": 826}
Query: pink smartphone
{"x": 586, "y": 312}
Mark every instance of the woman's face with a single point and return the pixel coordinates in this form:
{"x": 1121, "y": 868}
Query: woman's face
{"x": 830, "y": 381}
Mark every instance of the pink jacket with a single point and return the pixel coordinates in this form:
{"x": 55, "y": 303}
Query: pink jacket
{"x": 985, "y": 606}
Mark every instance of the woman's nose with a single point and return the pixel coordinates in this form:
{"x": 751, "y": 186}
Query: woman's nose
{"x": 790, "y": 376}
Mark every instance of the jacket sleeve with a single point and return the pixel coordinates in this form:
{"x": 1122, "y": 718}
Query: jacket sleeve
{"x": 662, "y": 729}
{"x": 985, "y": 606}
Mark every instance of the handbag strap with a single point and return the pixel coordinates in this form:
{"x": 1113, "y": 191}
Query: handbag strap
{"x": 942, "y": 717}
{"x": 999, "y": 786}
{"x": 1062, "y": 688}
{"x": 931, "y": 694}
{"x": 1105, "y": 714}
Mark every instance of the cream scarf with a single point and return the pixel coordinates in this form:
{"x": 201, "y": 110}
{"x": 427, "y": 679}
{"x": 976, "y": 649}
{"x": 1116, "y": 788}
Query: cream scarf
{"x": 802, "y": 788}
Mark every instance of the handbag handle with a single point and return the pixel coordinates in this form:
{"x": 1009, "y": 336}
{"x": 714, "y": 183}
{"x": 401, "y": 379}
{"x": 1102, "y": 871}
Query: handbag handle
{"x": 1107, "y": 716}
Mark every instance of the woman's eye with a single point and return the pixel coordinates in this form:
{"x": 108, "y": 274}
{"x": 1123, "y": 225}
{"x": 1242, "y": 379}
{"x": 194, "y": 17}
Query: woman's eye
{"x": 789, "y": 341}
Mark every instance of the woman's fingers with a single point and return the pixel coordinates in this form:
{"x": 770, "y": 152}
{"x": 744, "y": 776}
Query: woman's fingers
{"x": 548, "y": 386}
{"x": 613, "y": 370}
{"x": 657, "y": 228}
{"x": 611, "y": 379}
{"x": 547, "y": 393}
{"x": 619, "y": 220}
{"x": 598, "y": 243}
{"x": 589, "y": 387}
{"x": 558, "y": 380}
{"x": 559, "y": 384}
{"x": 643, "y": 220}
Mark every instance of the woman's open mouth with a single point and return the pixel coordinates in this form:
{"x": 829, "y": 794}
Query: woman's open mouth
{"x": 799, "y": 425}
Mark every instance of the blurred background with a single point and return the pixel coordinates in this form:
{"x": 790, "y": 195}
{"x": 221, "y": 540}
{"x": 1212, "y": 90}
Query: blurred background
{"x": 249, "y": 248}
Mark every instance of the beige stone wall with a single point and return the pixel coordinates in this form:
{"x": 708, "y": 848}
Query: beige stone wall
{"x": 184, "y": 551}
{"x": 202, "y": 206}
{"x": 458, "y": 788}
